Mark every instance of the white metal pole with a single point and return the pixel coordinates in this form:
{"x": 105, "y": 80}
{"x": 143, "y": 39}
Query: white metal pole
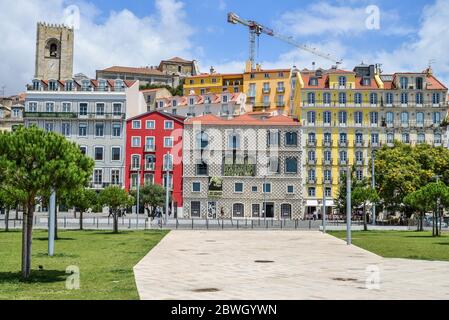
{"x": 167, "y": 184}
{"x": 324, "y": 208}
{"x": 373, "y": 156}
{"x": 51, "y": 225}
{"x": 138, "y": 198}
{"x": 348, "y": 208}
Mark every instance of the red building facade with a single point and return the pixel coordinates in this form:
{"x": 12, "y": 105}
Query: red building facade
{"x": 153, "y": 148}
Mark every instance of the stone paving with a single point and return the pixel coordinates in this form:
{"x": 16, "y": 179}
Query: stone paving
{"x": 280, "y": 265}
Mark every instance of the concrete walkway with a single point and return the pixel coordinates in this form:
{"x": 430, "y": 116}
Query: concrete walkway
{"x": 280, "y": 265}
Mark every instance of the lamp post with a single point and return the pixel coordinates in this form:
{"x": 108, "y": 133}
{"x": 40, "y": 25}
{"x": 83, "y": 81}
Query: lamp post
{"x": 264, "y": 199}
{"x": 167, "y": 186}
{"x": 51, "y": 224}
{"x": 348, "y": 208}
{"x": 138, "y": 198}
{"x": 373, "y": 157}
{"x": 324, "y": 208}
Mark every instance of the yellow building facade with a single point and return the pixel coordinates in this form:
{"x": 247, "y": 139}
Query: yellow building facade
{"x": 340, "y": 114}
{"x": 213, "y": 83}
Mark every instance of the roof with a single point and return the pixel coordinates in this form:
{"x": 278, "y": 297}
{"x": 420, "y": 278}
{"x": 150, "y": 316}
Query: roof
{"x": 204, "y": 75}
{"x": 94, "y": 83}
{"x": 177, "y": 118}
{"x": 177, "y": 60}
{"x": 133, "y": 70}
{"x": 243, "y": 120}
{"x": 200, "y": 99}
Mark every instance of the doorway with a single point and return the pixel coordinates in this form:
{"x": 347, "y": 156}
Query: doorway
{"x": 269, "y": 207}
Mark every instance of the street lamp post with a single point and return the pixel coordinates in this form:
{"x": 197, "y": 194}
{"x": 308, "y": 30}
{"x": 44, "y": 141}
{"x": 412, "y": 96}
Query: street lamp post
{"x": 264, "y": 199}
{"x": 138, "y": 198}
{"x": 348, "y": 208}
{"x": 324, "y": 208}
{"x": 167, "y": 186}
{"x": 373, "y": 157}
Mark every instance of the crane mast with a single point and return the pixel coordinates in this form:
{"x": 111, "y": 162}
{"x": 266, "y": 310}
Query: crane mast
{"x": 256, "y": 29}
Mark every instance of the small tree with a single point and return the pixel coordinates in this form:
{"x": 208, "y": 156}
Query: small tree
{"x": 426, "y": 199}
{"x": 10, "y": 198}
{"x": 34, "y": 162}
{"x": 83, "y": 199}
{"x": 363, "y": 195}
{"x": 116, "y": 199}
{"x": 150, "y": 196}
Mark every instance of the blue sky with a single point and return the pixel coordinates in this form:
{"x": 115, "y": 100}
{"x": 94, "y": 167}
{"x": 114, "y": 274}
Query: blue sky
{"x": 138, "y": 33}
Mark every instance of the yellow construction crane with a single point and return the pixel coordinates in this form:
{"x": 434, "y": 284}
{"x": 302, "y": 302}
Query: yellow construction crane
{"x": 256, "y": 29}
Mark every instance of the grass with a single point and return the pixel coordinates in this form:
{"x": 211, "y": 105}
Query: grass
{"x": 105, "y": 262}
{"x": 401, "y": 244}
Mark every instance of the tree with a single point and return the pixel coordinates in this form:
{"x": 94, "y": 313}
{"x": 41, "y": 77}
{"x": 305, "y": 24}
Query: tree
{"x": 150, "y": 196}
{"x": 83, "y": 199}
{"x": 403, "y": 169}
{"x": 363, "y": 195}
{"x": 430, "y": 198}
{"x": 34, "y": 162}
{"x": 9, "y": 198}
{"x": 116, "y": 199}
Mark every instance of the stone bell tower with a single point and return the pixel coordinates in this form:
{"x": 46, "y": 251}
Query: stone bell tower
{"x": 54, "y": 52}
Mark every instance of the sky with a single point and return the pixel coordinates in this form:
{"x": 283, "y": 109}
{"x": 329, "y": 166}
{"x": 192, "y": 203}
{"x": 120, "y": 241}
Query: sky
{"x": 400, "y": 35}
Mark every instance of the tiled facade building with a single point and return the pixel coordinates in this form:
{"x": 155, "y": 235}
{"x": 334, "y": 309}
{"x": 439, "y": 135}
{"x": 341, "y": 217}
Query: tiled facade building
{"x": 245, "y": 167}
{"x": 91, "y": 113}
{"x": 11, "y": 114}
{"x": 223, "y": 105}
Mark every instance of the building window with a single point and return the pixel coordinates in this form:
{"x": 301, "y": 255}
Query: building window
{"x": 311, "y": 117}
{"x": 100, "y": 109}
{"x": 421, "y": 138}
{"x": 437, "y": 138}
{"x": 436, "y": 118}
{"x": 389, "y": 98}
{"x": 168, "y": 162}
{"x": 404, "y": 118}
{"x": 99, "y": 130}
{"x": 255, "y": 210}
{"x": 273, "y": 137}
{"x": 83, "y": 150}
{"x": 115, "y": 177}
{"x": 149, "y": 179}
{"x": 202, "y": 140}
{"x": 375, "y": 138}
{"x": 66, "y": 107}
{"x": 116, "y": 154}
{"x": 327, "y": 156}
{"x": 328, "y": 192}
{"x": 136, "y": 124}
{"x": 404, "y": 97}
{"x": 83, "y": 109}
{"x": 291, "y": 165}
{"x": 169, "y": 125}
{"x": 374, "y": 118}
{"x": 359, "y": 137}
{"x": 170, "y": 181}
{"x": 436, "y": 98}
{"x": 99, "y": 153}
{"x": 234, "y": 141}
{"x": 116, "y": 129}
{"x": 238, "y": 187}
{"x": 238, "y": 210}
{"x": 196, "y": 187}
{"x": 358, "y": 117}
{"x": 327, "y": 175}
{"x": 65, "y": 129}
{"x": 290, "y": 189}
{"x": 311, "y": 192}
{"x": 150, "y": 124}
{"x": 327, "y": 117}
{"x": 135, "y": 142}
{"x": 254, "y": 189}
{"x": 291, "y": 139}
{"x": 82, "y": 130}
{"x": 342, "y": 81}
{"x": 373, "y": 98}
{"x": 50, "y": 107}
{"x": 195, "y": 209}
{"x": 98, "y": 177}
{"x": 390, "y": 118}
{"x": 32, "y": 107}
{"x": 405, "y": 138}
{"x": 390, "y": 138}
{"x": 359, "y": 175}
{"x": 326, "y": 98}
{"x": 342, "y": 117}
{"x": 168, "y": 142}
{"x": 267, "y": 187}
{"x": 404, "y": 83}
{"x": 117, "y": 109}
{"x": 311, "y": 97}
{"x": 273, "y": 165}
{"x": 343, "y": 137}
{"x": 286, "y": 211}
{"x": 419, "y": 98}
{"x": 311, "y": 138}
{"x": 49, "y": 126}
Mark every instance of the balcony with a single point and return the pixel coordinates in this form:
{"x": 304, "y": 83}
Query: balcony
{"x": 343, "y": 162}
{"x": 150, "y": 166}
{"x": 327, "y": 180}
{"x": 359, "y": 144}
{"x": 360, "y": 162}
{"x": 103, "y": 185}
{"x": 327, "y": 144}
{"x": 150, "y": 148}
{"x": 280, "y": 89}
{"x": 343, "y": 144}
{"x": 266, "y": 90}
{"x": 311, "y": 143}
{"x": 327, "y": 162}
{"x": 239, "y": 170}
{"x": 59, "y": 115}
{"x": 280, "y": 104}
{"x": 135, "y": 167}
{"x": 311, "y": 181}
{"x": 311, "y": 162}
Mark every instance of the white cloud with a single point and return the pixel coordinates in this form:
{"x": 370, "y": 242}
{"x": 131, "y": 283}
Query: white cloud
{"x": 322, "y": 18}
{"x": 222, "y": 5}
{"x": 121, "y": 38}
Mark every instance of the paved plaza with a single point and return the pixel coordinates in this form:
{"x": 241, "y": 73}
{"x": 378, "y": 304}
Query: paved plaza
{"x": 280, "y": 265}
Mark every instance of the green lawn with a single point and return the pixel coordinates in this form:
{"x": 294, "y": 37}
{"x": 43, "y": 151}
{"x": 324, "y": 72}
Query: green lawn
{"x": 401, "y": 244}
{"x": 105, "y": 261}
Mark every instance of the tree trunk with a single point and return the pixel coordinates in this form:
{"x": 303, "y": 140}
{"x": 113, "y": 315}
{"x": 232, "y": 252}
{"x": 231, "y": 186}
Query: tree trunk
{"x": 27, "y": 240}
{"x": 115, "y": 215}
{"x": 81, "y": 219}
{"x": 365, "y": 223}
{"x": 7, "y": 220}
{"x": 17, "y": 213}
